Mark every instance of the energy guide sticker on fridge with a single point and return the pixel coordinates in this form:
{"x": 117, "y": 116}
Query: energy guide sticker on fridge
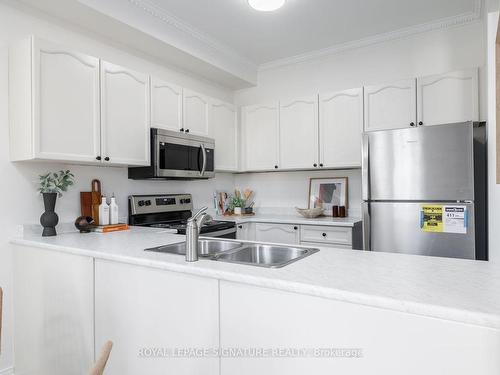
{"x": 443, "y": 219}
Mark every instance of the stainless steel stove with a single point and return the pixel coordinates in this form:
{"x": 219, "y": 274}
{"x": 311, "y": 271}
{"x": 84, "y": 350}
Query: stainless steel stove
{"x": 171, "y": 212}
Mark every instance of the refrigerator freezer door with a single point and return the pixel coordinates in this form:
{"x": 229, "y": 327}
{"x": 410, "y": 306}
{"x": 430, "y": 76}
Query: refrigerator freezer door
{"x": 398, "y": 228}
{"x": 424, "y": 163}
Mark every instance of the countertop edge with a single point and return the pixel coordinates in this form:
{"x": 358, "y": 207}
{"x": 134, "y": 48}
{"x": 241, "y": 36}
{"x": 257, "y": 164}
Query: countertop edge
{"x": 432, "y": 311}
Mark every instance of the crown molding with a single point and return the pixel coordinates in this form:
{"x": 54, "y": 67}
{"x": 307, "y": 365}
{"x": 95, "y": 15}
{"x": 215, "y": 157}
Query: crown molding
{"x": 444, "y": 23}
{"x": 216, "y": 46}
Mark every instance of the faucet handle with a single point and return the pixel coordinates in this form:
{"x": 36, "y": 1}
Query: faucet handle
{"x": 198, "y": 214}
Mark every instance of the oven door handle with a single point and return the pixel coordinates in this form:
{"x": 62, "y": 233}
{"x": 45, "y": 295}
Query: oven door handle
{"x": 204, "y": 166}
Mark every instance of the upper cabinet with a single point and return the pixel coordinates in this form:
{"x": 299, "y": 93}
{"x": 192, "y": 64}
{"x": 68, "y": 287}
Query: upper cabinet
{"x": 124, "y": 115}
{"x": 260, "y": 136}
{"x": 71, "y": 107}
{"x": 224, "y": 128}
{"x": 298, "y": 133}
{"x": 54, "y": 103}
{"x": 166, "y": 105}
{"x": 195, "y": 109}
{"x": 390, "y": 106}
{"x": 340, "y": 128}
{"x": 448, "y": 98}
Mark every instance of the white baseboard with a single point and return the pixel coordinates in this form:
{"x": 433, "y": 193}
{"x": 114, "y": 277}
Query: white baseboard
{"x": 7, "y": 371}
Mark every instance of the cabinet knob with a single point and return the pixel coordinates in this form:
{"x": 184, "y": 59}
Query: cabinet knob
{"x": 420, "y": 123}
{"x": 186, "y": 131}
{"x": 321, "y": 164}
{"x": 324, "y": 234}
{"x": 98, "y": 158}
{"x": 315, "y": 165}
{"x": 295, "y": 228}
{"x": 181, "y": 129}
{"x": 106, "y": 158}
{"x": 275, "y": 167}
{"x": 240, "y": 226}
{"x": 412, "y": 124}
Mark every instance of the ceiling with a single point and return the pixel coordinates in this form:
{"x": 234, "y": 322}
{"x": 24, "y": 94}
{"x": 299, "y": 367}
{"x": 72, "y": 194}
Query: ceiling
{"x": 302, "y": 26}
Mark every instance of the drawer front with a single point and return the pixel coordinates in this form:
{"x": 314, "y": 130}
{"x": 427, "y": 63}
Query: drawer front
{"x": 326, "y": 235}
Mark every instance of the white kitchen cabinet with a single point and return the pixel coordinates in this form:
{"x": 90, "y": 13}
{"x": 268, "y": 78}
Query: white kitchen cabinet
{"x": 326, "y": 235}
{"x": 245, "y": 231}
{"x": 344, "y": 338}
{"x": 125, "y": 116}
{"x": 195, "y": 113}
{"x": 340, "y": 128}
{"x": 224, "y": 129}
{"x": 390, "y": 106}
{"x": 448, "y": 98}
{"x": 141, "y": 308}
{"x": 54, "y": 311}
{"x": 277, "y": 233}
{"x": 298, "y": 133}
{"x": 166, "y": 105}
{"x": 54, "y": 109}
{"x": 260, "y": 137}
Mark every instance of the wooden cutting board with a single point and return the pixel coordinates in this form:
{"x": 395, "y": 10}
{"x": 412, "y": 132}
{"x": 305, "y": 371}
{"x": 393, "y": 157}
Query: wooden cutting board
{"x": 96, "y": 199}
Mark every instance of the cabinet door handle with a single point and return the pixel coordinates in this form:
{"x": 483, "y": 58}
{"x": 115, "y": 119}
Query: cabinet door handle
{"x": 324, "y": 234}
{"x": 98, "y": 158}
{"x": 321, "y": 165}
{"x": 420, "y": 123}
{"x": 106, "y": 158}
{"x": 186, "y": 131}
{"x": 295, "y": 228}
{"x": 412, "y": 124}
{"x": 315, "y": 165}
{"x": 240, "y": 226}
{"x": 275, "y": 167}
{"x": 181, "y": 129}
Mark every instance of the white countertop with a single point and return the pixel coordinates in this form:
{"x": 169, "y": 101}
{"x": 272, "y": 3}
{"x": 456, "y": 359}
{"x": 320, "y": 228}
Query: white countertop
{"x": 291, "y": 219}
{"x": 452, "y": 289}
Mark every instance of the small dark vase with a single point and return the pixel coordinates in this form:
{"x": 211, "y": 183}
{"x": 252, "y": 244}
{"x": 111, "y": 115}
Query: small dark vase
{"x": 49, "y": 218}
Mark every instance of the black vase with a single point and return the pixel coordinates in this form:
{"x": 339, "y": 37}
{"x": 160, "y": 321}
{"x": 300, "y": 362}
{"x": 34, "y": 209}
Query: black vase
{"x": 49, "y": 218}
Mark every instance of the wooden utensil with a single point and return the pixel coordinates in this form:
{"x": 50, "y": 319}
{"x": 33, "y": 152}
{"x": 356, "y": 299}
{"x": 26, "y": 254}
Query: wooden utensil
{"x": 96, "y": 199}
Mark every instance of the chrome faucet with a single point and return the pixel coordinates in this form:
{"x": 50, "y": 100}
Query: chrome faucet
{"x": 193, "y": 228}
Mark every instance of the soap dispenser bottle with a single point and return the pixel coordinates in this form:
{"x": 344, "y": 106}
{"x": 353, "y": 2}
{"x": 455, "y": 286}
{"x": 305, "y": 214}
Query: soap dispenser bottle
{"x": 103, "y": 212}
{"x": 113, "y": 211}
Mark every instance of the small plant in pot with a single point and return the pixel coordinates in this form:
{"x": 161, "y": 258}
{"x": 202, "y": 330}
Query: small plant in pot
{"x": 237, "y": 203}
{"x": 53, "y": 184}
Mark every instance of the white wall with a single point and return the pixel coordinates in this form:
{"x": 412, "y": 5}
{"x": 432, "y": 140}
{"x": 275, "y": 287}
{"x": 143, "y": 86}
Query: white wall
{"x": 20, "y": 203}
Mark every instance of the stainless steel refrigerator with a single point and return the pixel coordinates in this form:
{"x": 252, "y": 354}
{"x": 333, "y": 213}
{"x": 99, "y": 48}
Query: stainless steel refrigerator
{"x": 424, "y": 190}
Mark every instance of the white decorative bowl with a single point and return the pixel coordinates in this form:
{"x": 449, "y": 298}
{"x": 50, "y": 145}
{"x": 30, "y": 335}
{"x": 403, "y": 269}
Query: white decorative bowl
{"x": 310, "y": 213}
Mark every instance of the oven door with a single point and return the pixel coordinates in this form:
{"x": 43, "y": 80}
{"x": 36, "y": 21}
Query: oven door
{"x": 184, "y": 158}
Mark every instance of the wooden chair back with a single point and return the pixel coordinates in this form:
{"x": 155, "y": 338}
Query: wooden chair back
{"x": 100, "y": 365}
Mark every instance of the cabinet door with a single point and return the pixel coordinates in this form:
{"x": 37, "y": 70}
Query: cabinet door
{"x": 66, "y": 102}
{"x": 166, "y": 105}
{"x": 125, "y": 115}
{"x": 298, "y": 133}
{"x": 260, "y": 137}
{"x": 390, "y": 106}
{"x": 245, "y": 231}
{"x": 448, "y": 98}
{"x": 277, "y": 233}
{"x": 54, "y": 310}
{"x": 340, "y": 128}
{"x": 140, "y": 308}
{"x": 223, "y": 127}
{"x": 195, "y": 113}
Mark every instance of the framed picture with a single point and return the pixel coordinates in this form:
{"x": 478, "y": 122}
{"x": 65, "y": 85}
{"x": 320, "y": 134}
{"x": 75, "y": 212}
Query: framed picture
{"x": 328, "y": 192}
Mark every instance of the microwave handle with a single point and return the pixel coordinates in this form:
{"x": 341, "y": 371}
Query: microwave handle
{"x": 204, "y": 160}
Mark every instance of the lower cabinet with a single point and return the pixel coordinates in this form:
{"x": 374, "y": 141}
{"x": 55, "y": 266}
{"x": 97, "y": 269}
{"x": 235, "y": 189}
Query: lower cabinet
{"x": 344, "y": 338}
{"x": 54, "y": 312}
{"x": 143, "y": 310}
{"x": 277, "y": 233}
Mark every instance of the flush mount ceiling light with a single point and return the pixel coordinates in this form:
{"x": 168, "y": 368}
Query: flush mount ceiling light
{"x": 266, "y": 5}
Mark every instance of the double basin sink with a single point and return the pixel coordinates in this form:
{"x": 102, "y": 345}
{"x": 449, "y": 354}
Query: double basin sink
{"x": 270, "y": 256}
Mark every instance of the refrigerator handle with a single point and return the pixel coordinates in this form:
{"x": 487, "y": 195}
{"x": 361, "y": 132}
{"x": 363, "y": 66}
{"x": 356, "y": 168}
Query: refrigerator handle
{"x": 365, "y": 168}
{"x": 365, "y": 208}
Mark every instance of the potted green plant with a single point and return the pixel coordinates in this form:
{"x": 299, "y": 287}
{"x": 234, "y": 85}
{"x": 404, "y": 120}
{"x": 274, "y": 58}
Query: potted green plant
{"x": 53, "y": 184}
{"x": 236, "y": 204}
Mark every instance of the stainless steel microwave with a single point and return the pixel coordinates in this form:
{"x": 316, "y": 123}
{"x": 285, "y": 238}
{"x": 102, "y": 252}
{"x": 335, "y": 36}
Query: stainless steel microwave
{"x": 177, "y": 155}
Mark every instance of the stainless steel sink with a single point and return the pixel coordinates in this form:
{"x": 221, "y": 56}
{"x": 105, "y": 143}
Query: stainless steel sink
{"x": 206, "y": 247}
{"x": 265, "y": 255}
{"x": 271, "y": 256}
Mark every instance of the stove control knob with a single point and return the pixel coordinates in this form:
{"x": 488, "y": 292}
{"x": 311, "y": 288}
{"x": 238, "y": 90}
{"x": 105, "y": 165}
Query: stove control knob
{"x": 140, "y": 203}
{"x": 147, "y": 203}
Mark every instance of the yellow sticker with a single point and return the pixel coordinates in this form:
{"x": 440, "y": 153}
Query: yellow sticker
{"x": 431, "y": 218}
